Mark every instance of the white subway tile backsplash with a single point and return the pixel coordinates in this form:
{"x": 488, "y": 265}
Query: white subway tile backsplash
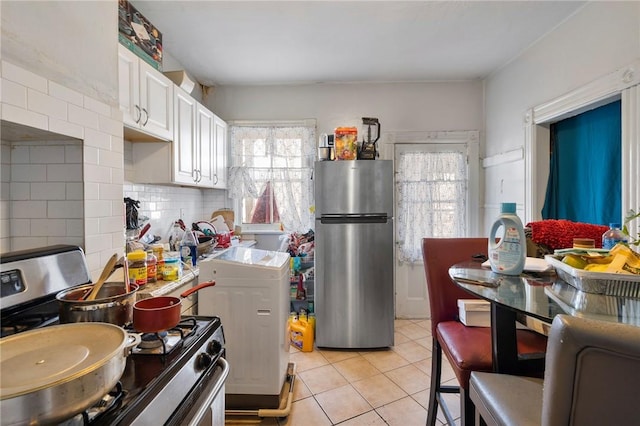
{"x": 20, "y": 227}
{"x": 110, "y": 192}
{"x": 67, "y": 209}
{"x": 19, "y": 154}
{"x": 97, "y": 208}
{"x": 83, "y": 117}
{"x": 110, "y": 159}
{"x": 22, "y": 76}
{"x": 97, "y": 106}
{"x": 64, "y": 172}
{"x": 117, "y": 176}
{"x": 26, "y": 242}
{"x": 28, "y": 172}
{"x": 97, "y": 174}
{"x": 90, "y": 155}
{"x": 110, "y": 224}
{"x": 73, "y": 154}
{"x": 65, "y": 128}
{"x": 48, "y": 191}
{"x": 46, "y": 154}
{"x": 28, "y": 209}
{"x": 75, "y": 227}
{"x": 64, "y": 93}
{"x": 110, "y": 126}
{"x": 48, "y": 227}
{"x": 14, "y": 94}
{"x": 24, "y": 116}
{"x": 97, "y": 139}
{"x": 91, "y": 191}
{"x": 18, "y": 191}
{"x": 47, "y": 105}
{"x": 74, "y": 190}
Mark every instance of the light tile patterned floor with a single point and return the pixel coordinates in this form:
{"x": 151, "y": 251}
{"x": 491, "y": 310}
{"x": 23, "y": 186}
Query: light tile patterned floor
{"x": 353, "y": 388}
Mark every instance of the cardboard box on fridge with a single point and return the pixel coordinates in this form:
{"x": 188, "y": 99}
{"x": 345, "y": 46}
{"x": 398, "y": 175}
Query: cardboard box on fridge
{"x": 137, "y": 34}
{"x": 474, "y": 312}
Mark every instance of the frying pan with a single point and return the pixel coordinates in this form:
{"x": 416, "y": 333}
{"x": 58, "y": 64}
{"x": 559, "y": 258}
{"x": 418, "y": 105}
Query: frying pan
{"x": 161, "y": 313}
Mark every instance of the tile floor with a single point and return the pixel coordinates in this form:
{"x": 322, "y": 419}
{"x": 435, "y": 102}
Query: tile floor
{"x": 353, "y": 388}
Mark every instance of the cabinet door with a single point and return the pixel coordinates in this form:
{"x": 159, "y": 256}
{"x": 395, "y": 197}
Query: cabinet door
{"x": 220, "y": 154}
{"x": 129, "y": 86}
{"x": 205, "y": 137}
{"x": 156, "y": 102}
{"x": 184, "y": 139}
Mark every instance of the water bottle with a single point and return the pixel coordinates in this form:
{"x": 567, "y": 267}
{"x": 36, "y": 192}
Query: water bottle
{"x": 613, "y": 236}
{"x": 189, "y": 248}
{"x": 507, "y": 256}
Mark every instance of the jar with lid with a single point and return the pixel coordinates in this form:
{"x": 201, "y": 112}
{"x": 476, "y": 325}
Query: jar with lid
{"x": 137, "y": 261}
{"x": 152, "y": 267}
{"x": 172, "y": 270}
{"x": 158, "y": 250}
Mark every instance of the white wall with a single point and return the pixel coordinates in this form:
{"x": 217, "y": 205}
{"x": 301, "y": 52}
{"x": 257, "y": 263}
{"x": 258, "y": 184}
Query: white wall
{"x": 599, "y": 39}
{"x": 399, "y": 106}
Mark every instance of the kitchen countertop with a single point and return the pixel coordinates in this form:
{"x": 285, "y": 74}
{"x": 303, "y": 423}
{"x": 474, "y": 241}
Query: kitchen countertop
{"x": 189, "y": 276}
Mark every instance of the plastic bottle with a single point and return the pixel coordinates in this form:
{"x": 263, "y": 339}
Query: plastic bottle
{"x": 189, "y": 248}
{"x": 301, "y": 335}
{"x": 507, "y": 255}
{"x": 152, "y": 267}
{"x": 158, "y": 252}
{"x": 175, "y": 236}
{"x": 613, "y": 236}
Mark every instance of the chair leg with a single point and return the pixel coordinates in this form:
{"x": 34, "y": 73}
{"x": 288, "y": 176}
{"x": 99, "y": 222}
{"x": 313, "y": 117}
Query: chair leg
{"x": 436, "y": 367}
{"x": 467, "y": 409}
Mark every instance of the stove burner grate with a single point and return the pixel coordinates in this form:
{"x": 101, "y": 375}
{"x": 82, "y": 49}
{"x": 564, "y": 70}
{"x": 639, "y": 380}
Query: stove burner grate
{"x": 164, "y": 342}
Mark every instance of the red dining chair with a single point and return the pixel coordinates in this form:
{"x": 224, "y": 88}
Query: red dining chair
{"x": 467, "y": 348}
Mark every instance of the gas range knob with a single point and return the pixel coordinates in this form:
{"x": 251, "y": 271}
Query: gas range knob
{"x": 214, "y": 347}
{"x": 203, "y": 361}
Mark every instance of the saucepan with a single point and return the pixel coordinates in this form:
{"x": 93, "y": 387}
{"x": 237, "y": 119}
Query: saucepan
{"x": 114, "y": 304}
{"x": 161, "y": 313}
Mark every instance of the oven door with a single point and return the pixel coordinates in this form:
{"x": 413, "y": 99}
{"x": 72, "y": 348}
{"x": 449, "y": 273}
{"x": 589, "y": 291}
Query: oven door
{"x": 207, "y": 404}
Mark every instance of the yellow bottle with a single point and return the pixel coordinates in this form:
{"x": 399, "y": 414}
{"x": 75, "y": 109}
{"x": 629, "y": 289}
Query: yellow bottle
{"x": 301, "y": 335}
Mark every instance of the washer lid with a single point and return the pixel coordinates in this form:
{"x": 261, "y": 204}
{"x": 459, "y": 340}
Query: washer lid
{"x": 49, "y": 356}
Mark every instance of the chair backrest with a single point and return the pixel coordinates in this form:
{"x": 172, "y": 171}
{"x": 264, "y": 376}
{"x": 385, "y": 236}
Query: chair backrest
{"x": 439, "y": 254}
{"x": 592, "y": 374}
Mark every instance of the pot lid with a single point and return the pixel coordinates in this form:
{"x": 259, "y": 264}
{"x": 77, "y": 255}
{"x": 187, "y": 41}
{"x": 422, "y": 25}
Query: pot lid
{"x": 49, "y": 356}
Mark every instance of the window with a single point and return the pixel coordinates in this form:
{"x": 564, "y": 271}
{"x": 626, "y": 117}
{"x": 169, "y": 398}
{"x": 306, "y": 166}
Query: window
{"x": 270, "y": 177}
{"x": 432, "y": 188}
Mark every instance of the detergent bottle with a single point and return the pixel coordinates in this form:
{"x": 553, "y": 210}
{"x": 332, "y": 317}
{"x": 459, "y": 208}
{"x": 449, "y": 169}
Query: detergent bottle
{"x": 301, "y": 335}
{"x": 507, "y": 254}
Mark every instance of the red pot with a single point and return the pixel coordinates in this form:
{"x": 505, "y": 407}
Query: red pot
{"x": 161, "y": 313}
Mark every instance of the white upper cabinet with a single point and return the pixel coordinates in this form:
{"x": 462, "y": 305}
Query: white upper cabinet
{"x": 205, "y": 121}
{"x": 220, "y": 154}
{"x": 146, "y": 99}
{"x": 184, "y": 139}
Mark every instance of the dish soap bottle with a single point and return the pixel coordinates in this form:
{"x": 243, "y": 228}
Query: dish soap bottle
{"x": 189, "y": 248}
{"x": 508, "y": 253}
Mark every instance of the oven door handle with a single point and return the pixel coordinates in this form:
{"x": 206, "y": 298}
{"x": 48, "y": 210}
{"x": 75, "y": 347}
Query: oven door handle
{"x": 202, "y": 411}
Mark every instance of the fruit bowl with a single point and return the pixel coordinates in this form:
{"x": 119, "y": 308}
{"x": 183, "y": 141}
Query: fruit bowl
{"x": 626, "y": 285}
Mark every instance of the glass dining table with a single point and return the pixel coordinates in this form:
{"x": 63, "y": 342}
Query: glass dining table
{"x": 538, "y": 295}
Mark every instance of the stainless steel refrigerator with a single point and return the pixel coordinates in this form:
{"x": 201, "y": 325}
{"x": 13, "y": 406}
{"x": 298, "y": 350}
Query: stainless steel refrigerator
{"x": 354, "y": 293}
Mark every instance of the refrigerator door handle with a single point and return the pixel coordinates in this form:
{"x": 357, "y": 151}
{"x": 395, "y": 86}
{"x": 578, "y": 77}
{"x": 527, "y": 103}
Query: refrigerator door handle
{"x": 354, "y": 218}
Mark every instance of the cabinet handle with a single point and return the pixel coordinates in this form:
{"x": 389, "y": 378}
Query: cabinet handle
{"x": 199, "y": 176}
{"x": 146, "y": 114}
{"x": 215, "y": 177}
{"x": 137, "y": 120}
{"x": 194, "y": 175}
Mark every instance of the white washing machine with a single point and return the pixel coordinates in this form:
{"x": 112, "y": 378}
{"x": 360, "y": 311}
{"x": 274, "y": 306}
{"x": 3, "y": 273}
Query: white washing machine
{"x": 251, "y": 297}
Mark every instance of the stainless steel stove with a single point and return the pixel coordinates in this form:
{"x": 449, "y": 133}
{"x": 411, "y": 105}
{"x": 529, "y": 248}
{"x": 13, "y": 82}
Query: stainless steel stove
{"x": 175, "y": 377}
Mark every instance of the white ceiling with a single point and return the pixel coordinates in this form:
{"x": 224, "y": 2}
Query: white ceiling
{"x": 287, "y": 42}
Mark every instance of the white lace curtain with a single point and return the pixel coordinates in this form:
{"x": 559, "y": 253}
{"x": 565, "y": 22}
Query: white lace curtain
{"x": 432, "y": 194}
{"x": 282, "y": 156}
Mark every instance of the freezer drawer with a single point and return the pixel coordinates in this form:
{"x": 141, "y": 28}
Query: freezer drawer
{"x": 354, "y": 298}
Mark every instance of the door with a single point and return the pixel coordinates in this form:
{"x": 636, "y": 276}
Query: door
{"x": 436, "y": 189}
{"x": 129, "y": 86}
{"x": 220, "y": 153}
{"x": 156, "y": 102}
{"x": 205, "y": 141}
{"x": 184, "y": 139}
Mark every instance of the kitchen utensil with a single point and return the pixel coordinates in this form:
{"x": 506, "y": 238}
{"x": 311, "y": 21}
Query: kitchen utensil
{"x": 368, "y": 147}
{"x": 106, "y": 273}
{"x": 144, "y": 230}
{"x": 205, "y": 243}
{"x": 52, "y": 373}
{"x": 114, "y": 305}
{"x": 161, "y": 313}
{"x": 227, "y": 214}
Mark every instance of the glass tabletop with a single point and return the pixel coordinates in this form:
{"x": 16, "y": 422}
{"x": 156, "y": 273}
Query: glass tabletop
{"x": 543, "y": 295}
